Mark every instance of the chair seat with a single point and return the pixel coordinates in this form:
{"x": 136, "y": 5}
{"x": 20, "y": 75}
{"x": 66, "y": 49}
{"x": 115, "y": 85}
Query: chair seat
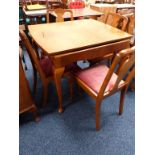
{"x": 93, "y": 77}
{"x": 46, "y": 65}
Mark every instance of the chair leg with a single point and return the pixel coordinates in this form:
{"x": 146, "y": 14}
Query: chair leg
{"x": 97, "y": 111}
{"x": 34, "y": 81}
{"x": 122, "y": 97}
{"x": 35, "y": 113}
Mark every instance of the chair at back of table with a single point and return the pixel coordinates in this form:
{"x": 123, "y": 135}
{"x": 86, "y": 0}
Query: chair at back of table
{"x": 131, "y": 27}
{"x": 106, "y": 10}
{"x": 100, "y": 81}
{"x": 59, "y": 14}
{"x": 117, "y": 20}
{"x": 44, "y": 67}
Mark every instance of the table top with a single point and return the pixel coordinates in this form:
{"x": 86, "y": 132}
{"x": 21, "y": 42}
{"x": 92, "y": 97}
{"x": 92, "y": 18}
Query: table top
{"x": 56, "y": 38}
{"x": 35, "y": 12}
{"x": 76, "y": 12}
{"x": 82, "y": 12}
{"x": 119, "y": 6}
{"x": 36, "y": 7}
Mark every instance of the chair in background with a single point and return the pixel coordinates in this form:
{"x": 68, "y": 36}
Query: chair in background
{"x": 115, "y": 20}
{"x": 34, "y": 5}
{"x": 26, "y": 102}
{"x": 44, "y": 67}
{"x": 100, "y": 81}
{"x": 106, "y": 10}
{"x": 59, "y": 14}
{"x": 131, "y": 27}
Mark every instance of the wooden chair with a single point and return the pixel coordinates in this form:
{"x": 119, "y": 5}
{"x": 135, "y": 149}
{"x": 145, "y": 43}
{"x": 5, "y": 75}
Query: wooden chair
{"x": 131, "y": 28}
{"x": 26, "y": 102}
{"x": 115, "y": 20}
{"x": 44, "y": 67}
{"x": 100, "y": 81}
{"x": 59, "y": 14}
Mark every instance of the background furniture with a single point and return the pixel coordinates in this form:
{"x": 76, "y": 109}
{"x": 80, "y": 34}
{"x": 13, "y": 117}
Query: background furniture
{"x": 59, "y": 14}
{"x": 100, "y": 81}
{"x": 26, "y": 102}
{"x": 117, "y": 21}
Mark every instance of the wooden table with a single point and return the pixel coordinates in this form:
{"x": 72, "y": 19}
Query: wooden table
{"x": 101, "y": 7}
{"x": 84, "y": 12}
{"x": 68, "y": 42}
{"x": 76, "y": 13}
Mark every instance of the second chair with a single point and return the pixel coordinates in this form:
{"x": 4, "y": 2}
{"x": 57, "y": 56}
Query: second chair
{"x": 44, "y": 68}
{"x": 100, "y": 81}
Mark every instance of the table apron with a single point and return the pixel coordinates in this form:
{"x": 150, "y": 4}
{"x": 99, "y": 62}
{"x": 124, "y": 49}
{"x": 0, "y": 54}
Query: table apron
{"x": 62, "y": 60}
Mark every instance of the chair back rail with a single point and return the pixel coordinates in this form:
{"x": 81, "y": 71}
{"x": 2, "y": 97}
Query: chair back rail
{"x": 117, "y": 20}
{"x": 59, "y": 14}
{"x": 123, "y": 66}
{"x": 32, "y": 54}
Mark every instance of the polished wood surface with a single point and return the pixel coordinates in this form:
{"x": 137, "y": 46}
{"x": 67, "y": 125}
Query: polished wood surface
{"x": 74, "y": 35}
{"x": 34, "y": 12}
{"x": 68, "y": 42}
{"x": 122, "y": 67}
{"x": 118, "y": 6}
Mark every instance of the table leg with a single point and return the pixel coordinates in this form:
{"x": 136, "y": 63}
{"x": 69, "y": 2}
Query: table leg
{"x": 58, "y": 72}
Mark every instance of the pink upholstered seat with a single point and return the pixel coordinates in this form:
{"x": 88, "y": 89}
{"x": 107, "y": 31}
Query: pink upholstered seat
{"x": 76, "y": 5}
{"x": 93, "y": 77}
{"x": 46, "y": 65}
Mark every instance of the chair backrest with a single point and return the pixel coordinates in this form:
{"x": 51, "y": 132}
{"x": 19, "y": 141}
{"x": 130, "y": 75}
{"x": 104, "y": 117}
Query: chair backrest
{"x": 32, "y": 54}
{"x": 131, "y": 23}
{"x": 76, "y": 5}
{"x": 59, "y": 13}
{"x": 117, "y": 20}
{"x": 123, "y": 66}
{"x": 131, "y": 27}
